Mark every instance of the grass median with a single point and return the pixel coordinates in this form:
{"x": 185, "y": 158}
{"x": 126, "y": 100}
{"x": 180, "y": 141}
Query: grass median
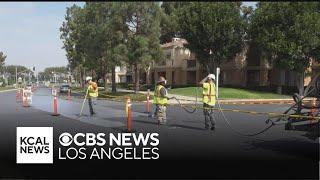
{"x": 230, "y": 93}
{"x": 122, "y": 96}
{"x": 118, "y": 96}
{"x": 77, "y": 89}
{"x": 5, "y": 88}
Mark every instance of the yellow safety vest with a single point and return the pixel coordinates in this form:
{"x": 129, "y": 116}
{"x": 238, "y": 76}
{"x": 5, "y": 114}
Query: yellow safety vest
{"x": 209, "y": 90}
{"x": 157, "y": 96}
{"x": 92, "y": 92}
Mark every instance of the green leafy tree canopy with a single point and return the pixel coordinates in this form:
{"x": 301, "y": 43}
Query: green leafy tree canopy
{"x": 218, "y": 27}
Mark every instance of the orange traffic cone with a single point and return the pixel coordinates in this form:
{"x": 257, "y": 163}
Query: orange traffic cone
{"x": 18, "y": 96}
{"x": 129, "y": 115}
{"x": 55, "y": 106}
{"x": 25, "y": 102}
{"x": 148, "y": 102}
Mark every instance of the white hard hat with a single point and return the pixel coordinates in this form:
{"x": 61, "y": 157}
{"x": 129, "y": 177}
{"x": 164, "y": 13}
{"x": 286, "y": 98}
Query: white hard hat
{"x": 88, "y": 78}
{"x": 161, "y": 79}
{"x": 211, "y": 76}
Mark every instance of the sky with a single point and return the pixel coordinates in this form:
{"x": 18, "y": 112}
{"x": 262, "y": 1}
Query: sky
{"x": 29, "y": 33}
{"x": 30, "y": 36}
{"x": 250, "y": 3}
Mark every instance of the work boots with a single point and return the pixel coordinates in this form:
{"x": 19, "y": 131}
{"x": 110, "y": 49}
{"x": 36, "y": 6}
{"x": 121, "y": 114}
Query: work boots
{"x": 212, "y": 128}
{"x": 162, "y": 121}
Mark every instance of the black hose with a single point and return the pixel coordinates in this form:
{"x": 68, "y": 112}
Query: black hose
{"x": 184, "y": 108}
{"x": 187, "y": 110}
{"x": 243, "y": 134}
{"x": 228, "y": 123}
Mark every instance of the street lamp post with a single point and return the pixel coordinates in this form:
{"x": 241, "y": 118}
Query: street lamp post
{"x": 217, "y": 75}
{"x": 16, "y": 76}
{"x": 54, "y": 77}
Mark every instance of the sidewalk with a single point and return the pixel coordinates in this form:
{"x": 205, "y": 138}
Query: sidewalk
{"x": 192, "y": 100}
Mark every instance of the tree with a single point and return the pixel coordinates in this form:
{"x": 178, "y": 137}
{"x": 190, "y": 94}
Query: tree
{"x": 11, "y": 69}
{"x": 99, "y": 36}
{"x": 21, "y": 71}
{"x": 73, "y": 36}
{"x": 2, "y": 59}
{"x": 169, "y": 24}
{"x": 289, "y": 33}
{"x": 113, "y": 30}
{"x": 216, "y": 27}
{"x": 247, "y": 11}
{"x": 143, "y": 21}
{"x": 94, "y": 38}
{"x": 49, "y": 72}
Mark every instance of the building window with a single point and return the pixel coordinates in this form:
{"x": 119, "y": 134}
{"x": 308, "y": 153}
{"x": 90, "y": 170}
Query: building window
{"x": 191, "y": 77}
{"x": 269, "y": 76}
{"x": 173, "y": 78}
{"x": 253, "y": 77}
{"x": 168, "y": 56}
{"x": 191, "y": 63}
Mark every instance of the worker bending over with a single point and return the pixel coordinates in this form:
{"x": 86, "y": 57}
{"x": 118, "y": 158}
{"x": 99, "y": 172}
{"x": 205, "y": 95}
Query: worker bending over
{"x": 92, "y": 93}
{"x": 160, "y": 99}
{"x": 209, "y": 100}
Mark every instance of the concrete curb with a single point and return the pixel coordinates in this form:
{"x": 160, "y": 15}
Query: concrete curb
{"x": 191, "y": 100}
{"x": 248, "y": 101}
{"x": 232, "y": 103}
{"x": 259, "y": 102}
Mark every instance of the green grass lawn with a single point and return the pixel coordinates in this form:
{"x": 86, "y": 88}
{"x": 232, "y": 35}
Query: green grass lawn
{"x": 118, "y": 96}
{"x": 122, "y": 96}
{"x": 5, "y": 88}
{"x": 229, "y": 93}
{"x": 77, "y": 89}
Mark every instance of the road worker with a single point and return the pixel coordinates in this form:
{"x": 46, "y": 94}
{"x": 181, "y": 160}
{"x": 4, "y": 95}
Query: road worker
{"x": 209, "y": 100}
{"x": 154, "y": 114}
{"x": 160, "y": 99}
{"x": 92, "y": 93}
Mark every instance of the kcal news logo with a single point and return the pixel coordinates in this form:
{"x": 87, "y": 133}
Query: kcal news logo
{"x": 34, "y": 145}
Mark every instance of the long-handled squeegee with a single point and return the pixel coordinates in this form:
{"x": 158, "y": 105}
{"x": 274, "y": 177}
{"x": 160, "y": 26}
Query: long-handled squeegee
{"x": 84, "y": 100}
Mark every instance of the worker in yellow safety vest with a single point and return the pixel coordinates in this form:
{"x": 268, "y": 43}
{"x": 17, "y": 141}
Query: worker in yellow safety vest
{"x": 92, "y": 93}
{"x": 160, "y": 99}
{"x": 209, "y": 100}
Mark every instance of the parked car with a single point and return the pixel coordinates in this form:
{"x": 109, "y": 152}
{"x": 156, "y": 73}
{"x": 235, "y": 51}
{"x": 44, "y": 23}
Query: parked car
{"x": 65, "y": 88}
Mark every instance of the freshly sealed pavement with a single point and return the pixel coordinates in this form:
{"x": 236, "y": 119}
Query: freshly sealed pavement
{"x": 186, "y": 149}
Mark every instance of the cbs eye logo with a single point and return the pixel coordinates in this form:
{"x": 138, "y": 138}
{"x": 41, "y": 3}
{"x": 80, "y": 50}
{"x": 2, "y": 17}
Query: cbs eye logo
{"x": 65, "y": 139}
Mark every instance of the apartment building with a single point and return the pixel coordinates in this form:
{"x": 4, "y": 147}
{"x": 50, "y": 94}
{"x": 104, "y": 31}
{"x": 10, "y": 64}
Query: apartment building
{"x": 247, "y": 69}
{"x": 120, "y": 73}
{"x": 179, "y": 67}
{"x": 260, "y": 71}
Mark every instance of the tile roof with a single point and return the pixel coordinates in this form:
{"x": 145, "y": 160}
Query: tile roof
{"x": 179, "y": 43}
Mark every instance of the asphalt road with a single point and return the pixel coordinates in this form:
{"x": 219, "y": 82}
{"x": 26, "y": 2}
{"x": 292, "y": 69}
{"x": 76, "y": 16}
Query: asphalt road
{"x": 186, "y": 149}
